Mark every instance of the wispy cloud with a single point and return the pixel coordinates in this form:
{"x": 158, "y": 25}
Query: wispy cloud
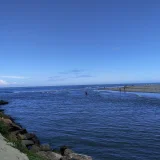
{"x": 15, "y": 77}
{"x": 57, "y": 78}
{"x": 74, "y": 71}
{"x": 2, "y": 82}
{"x": 71, "y": 74}
{"x": 84, "y": 76}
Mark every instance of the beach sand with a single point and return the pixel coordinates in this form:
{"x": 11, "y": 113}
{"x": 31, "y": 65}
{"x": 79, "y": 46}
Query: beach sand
{"x": 7, "y": 152}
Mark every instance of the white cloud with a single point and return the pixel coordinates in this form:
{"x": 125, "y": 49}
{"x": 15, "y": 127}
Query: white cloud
{"x": 14, "y": 77}
{"x": 2, "y": 82}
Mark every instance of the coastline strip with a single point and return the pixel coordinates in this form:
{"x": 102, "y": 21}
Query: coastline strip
{"x": 135, "y": 88}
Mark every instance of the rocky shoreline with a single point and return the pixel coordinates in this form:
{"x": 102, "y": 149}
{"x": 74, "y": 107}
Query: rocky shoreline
{"x": 32, "y": 143}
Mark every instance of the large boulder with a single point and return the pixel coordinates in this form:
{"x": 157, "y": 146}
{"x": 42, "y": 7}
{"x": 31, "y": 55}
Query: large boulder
{"x": 21, "y": 136}
{"x": 14, "y": 127}
{"x": 50, "y": 155}
{"x": 20, "y": 131}
{"x": 26, "y": 136}
{"x": 27, "y": 143}
{"x": 68, "y": 154}
{"x": 76, "y": 156}
{"x": 45, "y": 147}
{"x": 7, "y": 121}
{"x": 29, "y": 135}
{"x": 62, "y": 149}
{"x": 35, "y": 148}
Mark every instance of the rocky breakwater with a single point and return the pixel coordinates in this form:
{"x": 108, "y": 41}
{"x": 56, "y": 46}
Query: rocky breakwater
{"x": 32, "y": 143}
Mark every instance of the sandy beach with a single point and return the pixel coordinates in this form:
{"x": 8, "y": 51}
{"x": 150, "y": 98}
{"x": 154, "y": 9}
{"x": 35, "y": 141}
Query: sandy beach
{"x": 7, "y": 152}
{"x": 136, "y": 88}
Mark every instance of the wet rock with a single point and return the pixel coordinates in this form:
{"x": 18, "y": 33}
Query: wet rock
{"x": 68, "y": 154}
{"x": 26, "y": 143}
{"x": 50, "y": 155}
{"x": 35, "y": 148}
{"x": 36, "y": 140}
{"x": 45, "y": 147}
{"x": 76, "y": 156}
{"x": 14, "y": 127}
{"x": 29, "y": 135}
{"x": 21, "y": 131}
{"x": 3, "y": 102}
{"x": 18, "y": 124}
{"x": 62, "y": 149}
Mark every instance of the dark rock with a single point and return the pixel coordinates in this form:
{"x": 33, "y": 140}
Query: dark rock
{"x": 18, "y": 124}
{"x": 68, "y": 154}
{"x": 21, "y": 131}
{"x": 29, "y": 135}
{"x": 45, "y": 147}
{"x": 62, "y": 149}
{"x": 14, "y": 127}
{"x": 3, "y": 102}
{"x": 26, "y": 143}
{"x": 36, "y": 140}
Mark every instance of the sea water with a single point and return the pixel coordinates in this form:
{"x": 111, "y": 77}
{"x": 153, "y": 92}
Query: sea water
{"x": 105, "y": 125}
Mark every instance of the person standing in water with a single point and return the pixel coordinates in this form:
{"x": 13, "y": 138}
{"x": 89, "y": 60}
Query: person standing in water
{"x": 125, "y": 88}
{"x": 86, "y": 93}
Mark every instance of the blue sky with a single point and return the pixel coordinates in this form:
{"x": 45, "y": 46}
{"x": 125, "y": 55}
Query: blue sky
{"x": 65, "y": 42}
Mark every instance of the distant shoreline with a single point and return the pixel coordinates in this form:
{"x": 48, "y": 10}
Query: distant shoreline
{"x": 148, "y": 88}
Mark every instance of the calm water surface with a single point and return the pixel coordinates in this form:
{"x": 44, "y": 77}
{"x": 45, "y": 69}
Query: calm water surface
{"x": 104, "y": 125}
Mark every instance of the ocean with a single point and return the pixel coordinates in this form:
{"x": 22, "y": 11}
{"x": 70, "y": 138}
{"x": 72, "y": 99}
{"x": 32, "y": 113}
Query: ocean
{"x": 103, "y": 124}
